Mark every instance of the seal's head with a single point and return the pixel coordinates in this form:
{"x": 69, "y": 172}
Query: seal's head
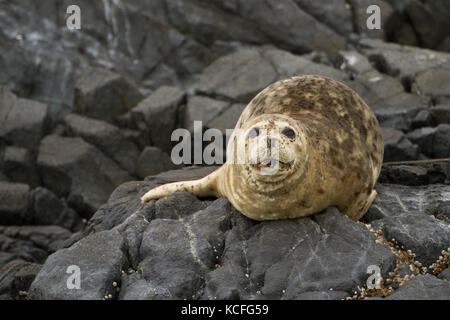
{"x": 272, "y": 148}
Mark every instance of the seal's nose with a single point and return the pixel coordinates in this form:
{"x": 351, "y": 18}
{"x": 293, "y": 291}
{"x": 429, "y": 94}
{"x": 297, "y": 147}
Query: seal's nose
{"x": 271, "y": 142}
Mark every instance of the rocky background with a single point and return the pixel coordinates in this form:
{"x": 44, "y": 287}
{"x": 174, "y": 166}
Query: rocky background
{"x": 85, "y": 123}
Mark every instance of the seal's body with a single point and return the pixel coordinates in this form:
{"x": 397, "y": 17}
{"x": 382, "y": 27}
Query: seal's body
{"x": 301, "y": 145}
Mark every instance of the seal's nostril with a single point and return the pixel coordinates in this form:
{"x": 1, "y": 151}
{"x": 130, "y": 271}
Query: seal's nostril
{"x": 271, "y": 142}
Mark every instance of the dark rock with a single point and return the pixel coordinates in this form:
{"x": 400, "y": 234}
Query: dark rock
{"x": 287, "y": 65}
{"x": 3, "y": 177}
{"x": 135, "y": 287}
{"x": 443, "y": 211}
{"x": 445, "y": 45}
{"x": 332, "y": 232}
{"x": 322, "y": 295}
{"x": 39, "y": 60}
{"x": 50, "y": 210}
{"x": 254, "y": 22}
{"x": 335, "y": 14}
{"x": 428, "y": 19}
{"x": 404, "y": 174}
{"x": 19, "y": 166}
{"x": 25, "y": 276}
{"x": 174, "y": 258}
{"x": 402, "y": 61}
{"x": 433, "y": 82}
{"x": 59, "y": 130}
{"x": 100, "y": 258}
{"x": 7, "y": 277}
{"x": 121, "y": 205}
{"x": 398, "y": 111}
{"x": 210, "y": 221}
{"x": 228, "y": 119}
{"x": 24, "y": 121}
{"x": 386, "y": 97}
{"x": 424, "y": 235}
{"x": 377, "y": 86}
{"x": 139, "y": 138}
{"x": 15, "y": 203}
{"x": 30, "y": 243}
{"x": 423, "y": 287}
{"x": 397, "y": 147}
{"x": 360, "y": 16}
{"x": 200, "y": 108}
{"x": 393, "y": 200}
{"x": 441, "y": 113}
{"x": 244, "y": 269}
{"x": 184, "y": 247}
{"x": 7, "y": 100}
{"x": 441, "y": 142}
{"x": 238, "y": 76}
{"x": 48, "y": 238}
{"x": 187, "y": 236}
{"x": 153, "y": 161}
{"x": 422, "y": 119}
{"x": 160, "y": 111}
{"x": 416, "y": 173}
{"x": 242, "y": 74}
{"x": 177, "y": 206}
{"x": 398, "y": 27}
{"x": 257, "y": 68}
{"x": 132, "y": 230}
{"x": 136, "y": 39}
{"x": 105, "y": 137}
{"x": 13, "y": 248}
{"x": 445, "y": 275}
{"x": 71, "y": 167}
{"x": 105, "y": 95}
{"x": 424, "y": 137}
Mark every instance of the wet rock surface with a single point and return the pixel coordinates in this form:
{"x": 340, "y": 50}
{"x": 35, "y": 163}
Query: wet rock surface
{"x": 102, "y": 94}
{"x": 152, "y": 161}
{"x": 19, "y": 165}
{"x": 101, "y": 249}
{"x": 14, "y": 202}
{"x": 160, "y": 112}
{"x": 106, "y": 137}
{"x": 85, "y": 114}
{"x": 182, "y": 247}
{"x": 73, "y": 168}
{"x": 23, "y": 120}
{"x": 423, "y": 287}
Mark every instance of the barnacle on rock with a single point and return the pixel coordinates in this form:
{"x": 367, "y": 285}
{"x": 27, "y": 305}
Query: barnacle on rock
{"x": 441, "y": 263}
{"x": 404, "y": 258}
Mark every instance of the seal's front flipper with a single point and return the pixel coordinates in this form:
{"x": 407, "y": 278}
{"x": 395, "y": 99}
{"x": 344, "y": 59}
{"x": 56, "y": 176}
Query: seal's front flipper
{"x": 204, "y": 187}
{"x": 360, "y": 206}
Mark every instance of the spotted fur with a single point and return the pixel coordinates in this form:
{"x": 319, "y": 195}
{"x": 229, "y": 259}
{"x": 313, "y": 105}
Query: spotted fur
{"x": 338, "y": 153}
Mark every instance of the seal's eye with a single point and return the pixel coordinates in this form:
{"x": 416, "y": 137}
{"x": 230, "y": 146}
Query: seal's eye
{"x": 288, "y": 132}
{"x": 253, "y": 133}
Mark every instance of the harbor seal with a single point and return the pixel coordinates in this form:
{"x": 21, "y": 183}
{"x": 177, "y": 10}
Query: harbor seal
{"x": 324, "y": 141}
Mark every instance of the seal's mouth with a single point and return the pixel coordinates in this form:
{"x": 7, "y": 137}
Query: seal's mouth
{"x": 272, "y": 163}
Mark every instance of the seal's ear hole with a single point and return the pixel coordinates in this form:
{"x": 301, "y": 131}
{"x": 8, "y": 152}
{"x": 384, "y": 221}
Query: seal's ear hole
{"x": 254, "y": 132}
{"x": 288, "y": 132}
